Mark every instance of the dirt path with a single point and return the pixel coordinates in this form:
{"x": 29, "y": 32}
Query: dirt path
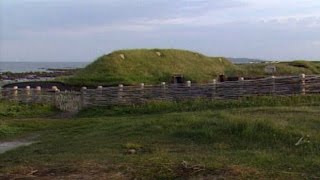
{"x": 7, "y": 146}
{"x": 13, "y": 144}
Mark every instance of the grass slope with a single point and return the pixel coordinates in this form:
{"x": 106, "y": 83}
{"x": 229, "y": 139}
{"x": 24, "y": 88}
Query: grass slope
{"x": 147, "y": 66}
{"x": 208, "y": 141}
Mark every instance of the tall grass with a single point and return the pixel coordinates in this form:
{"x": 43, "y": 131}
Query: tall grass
{"x": 198, "y": 105}
{"x": 15, "y": 110}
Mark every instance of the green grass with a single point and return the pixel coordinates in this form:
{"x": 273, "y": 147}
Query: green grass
{"x": 15, "y": 110}
{"x": 12, "y": 110}
{"x": 201, "y": 105}
{"x": 145, "y": 66}
{"x": 253, "y": 138}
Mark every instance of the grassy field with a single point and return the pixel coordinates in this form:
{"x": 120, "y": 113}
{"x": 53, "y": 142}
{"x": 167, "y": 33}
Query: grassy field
{"x": 250, "y": 138}
{"x": 146, "y": 66}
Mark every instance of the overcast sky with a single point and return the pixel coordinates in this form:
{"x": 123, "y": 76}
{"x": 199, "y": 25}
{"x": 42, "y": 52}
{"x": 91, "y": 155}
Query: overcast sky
{"x": 81, "y": 30}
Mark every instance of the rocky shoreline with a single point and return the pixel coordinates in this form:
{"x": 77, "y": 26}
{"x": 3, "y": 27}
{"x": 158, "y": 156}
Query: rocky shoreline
{"x": 38, "y": 78}
{"x": 39, "y": 75}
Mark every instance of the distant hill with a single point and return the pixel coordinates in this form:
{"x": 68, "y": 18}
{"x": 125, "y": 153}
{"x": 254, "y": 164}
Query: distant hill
{"x": 245, "y": 60}
{"x": 283, "y": 68}
{"x": 151, "y": 66}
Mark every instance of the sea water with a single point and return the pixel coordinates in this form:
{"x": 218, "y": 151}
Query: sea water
{"x": 19, "y": 67}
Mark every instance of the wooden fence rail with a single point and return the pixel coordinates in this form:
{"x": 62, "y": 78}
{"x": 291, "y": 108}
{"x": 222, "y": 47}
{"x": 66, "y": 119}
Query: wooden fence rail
{"x": 126, "y": 95}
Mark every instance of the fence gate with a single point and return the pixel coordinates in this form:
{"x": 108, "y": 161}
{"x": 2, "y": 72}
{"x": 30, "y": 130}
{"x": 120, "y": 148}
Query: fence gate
{"x": 68, "y": 101}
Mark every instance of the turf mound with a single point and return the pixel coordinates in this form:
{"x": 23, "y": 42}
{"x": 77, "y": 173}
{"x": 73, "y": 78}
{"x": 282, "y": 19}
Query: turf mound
{"x": 151, "y": 66}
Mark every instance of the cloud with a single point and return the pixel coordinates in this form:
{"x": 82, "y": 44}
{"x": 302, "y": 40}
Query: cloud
{"x": 316, "y": 43}
{"x": 264, "y": 28}
{"x": 89, "y": 30}
{"x": 32, "y": 14}
{"x": 97, "y": 16}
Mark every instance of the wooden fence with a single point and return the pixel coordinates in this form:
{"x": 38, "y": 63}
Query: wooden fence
{"x": 126, "y": 95}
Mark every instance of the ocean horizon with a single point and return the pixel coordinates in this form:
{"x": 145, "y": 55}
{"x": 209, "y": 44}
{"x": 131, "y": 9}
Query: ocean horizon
{"x": 20, "y": 67}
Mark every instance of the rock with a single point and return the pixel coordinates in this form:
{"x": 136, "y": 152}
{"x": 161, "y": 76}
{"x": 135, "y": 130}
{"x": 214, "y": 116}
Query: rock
{"x": 122, "y": 56}
{"x": 158, "y": 53}
{"x": 132, "y": 151}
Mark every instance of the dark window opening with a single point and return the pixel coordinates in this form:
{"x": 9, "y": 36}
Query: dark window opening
{"x": 222, "y": 78}
{"x": 177, "y": 79}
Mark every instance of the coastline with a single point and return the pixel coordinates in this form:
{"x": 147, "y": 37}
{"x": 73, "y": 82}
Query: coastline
{"x": 37, "y": 76}
{"x": 33, "y": 66}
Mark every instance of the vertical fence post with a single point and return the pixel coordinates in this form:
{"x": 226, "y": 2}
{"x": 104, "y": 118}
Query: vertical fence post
{"x": 15, "y": 93}
{"x": 82, "y": 97}
{"x": 241, "y": 89}
{"x": 214, "y": 93}
{"x": 120, "y": 92}
{"x": 273, "y": 78}
{"x": 163, "y": 90}
{"x": 120, "y": 87}
{"x": 38, "y": 94}
{"x": 28, "y": 88}
{"x": 98, "y": 94}
{"x": 189, "y": 89}
{"x": 28, "y": 93}
{"x": 55, "y": 96}
{"x": 188, "y": 83}
{"x": 55, "y": 88}
{"x": 142, "y": 86}
{"x": 303, "y": 84}
{"x": 142, "y": 92}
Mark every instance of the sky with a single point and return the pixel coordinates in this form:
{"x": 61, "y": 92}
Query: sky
{"x": 82, "y": 30}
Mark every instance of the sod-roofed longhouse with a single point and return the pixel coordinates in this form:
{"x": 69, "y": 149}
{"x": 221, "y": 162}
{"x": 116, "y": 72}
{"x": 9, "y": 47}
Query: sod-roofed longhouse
{"x": 151, "y": 66}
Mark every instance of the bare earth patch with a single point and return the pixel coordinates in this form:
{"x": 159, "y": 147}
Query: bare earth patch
{"x": 7, "y": 146}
